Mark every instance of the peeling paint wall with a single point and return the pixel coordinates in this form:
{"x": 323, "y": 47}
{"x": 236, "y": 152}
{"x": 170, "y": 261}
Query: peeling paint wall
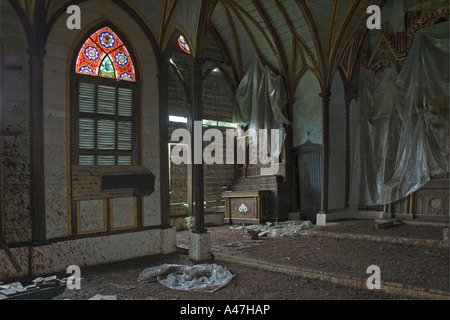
{"x": 16, "y": 110}
{"x": 56, "y": 257}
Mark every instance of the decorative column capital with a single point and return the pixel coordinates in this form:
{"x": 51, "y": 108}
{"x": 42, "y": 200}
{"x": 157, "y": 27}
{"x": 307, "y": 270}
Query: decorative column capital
{"x": 325, "y": 95}
{"x": 163, "y": 79}
{"x": 36, "y": 56}
{"x": 37, "y": 51}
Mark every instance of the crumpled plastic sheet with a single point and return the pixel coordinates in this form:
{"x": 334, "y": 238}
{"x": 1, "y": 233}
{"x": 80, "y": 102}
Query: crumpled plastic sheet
{"x": 283, "y": 229}
{"x": 198, "y": 278}
{"x": 259, "y": 103}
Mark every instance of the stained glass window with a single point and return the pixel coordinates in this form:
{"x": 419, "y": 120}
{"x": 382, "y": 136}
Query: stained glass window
{"x": 104, "y": 54}
{"x": 106, "y": 111}
{"x": 184, "y": 45}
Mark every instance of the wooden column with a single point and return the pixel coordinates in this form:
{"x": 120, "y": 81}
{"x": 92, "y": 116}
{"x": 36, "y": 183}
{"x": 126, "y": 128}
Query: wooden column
{"x": 163, "y": 83}
{"x": 2, "y": 128}
{"x": 36, "y": 53}
{"x": 325, "y": 95}
{"x": 348, "y": 100}
{"x": 291, "y": 175}
{"x": 189, "y": 174}
{"x": 197, "y": 182}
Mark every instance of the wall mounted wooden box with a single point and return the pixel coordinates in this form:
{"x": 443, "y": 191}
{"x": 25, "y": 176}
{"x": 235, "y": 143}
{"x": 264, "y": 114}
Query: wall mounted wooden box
{"x": 102, "y": 182}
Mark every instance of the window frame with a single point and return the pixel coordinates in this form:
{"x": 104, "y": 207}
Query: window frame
{"x": 97, "y": 80}
{"x": 96, "y": 172}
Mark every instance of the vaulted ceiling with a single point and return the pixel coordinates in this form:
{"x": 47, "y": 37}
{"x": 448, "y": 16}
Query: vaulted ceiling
{"x": 291, "y": 36}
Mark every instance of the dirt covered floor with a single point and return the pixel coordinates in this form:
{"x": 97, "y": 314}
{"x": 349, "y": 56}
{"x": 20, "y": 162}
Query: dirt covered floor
{"x": 314, "y": 263}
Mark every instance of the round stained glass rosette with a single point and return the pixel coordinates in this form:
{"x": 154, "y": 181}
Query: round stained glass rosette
{"x": 121, "y": 59}
{"x": 107, "y": 40}
{"x": 91, "y": 53}
{"x": 86, "y": 70}
{"x": 126, "y": 76}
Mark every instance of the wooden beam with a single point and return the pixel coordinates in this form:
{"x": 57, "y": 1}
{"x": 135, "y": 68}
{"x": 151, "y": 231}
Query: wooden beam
{"x": 10, "y": 255}
{"x": 281, "y": 51}
{"x": 163, "y": 82}
{"x": 196, "y": 171}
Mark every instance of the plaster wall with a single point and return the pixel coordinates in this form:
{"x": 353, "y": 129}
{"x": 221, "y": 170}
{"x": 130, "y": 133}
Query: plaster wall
{"x": 308, "y": 111}
{"x": 56, "y": 257}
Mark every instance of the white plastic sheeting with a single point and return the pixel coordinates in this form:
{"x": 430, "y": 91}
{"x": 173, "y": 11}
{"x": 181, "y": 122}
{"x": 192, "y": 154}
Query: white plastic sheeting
{"x": 197, "y": 278}
{"x": 260, "y": 100}
{"x": 402, "y": 133}
{"x": 282, "y": 229}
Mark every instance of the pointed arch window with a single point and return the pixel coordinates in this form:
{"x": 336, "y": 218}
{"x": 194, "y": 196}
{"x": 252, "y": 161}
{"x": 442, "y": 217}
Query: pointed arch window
{"x": 104, "y": 54}
{"x": 105, "y": 105}
{"x": 183, "y": 44}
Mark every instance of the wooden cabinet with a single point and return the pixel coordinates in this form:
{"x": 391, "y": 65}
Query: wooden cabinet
{"x": 247, "y": 206}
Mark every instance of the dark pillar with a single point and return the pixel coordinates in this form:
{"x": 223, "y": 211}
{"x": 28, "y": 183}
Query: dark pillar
{"x": 291, "y": 175}
{"x": 36, "y": 53}
{"x": 348, "y": 100}
{"x": 163, "y": 83}
{"x": 197, "y": 183}
{"x": 325, "y": 95}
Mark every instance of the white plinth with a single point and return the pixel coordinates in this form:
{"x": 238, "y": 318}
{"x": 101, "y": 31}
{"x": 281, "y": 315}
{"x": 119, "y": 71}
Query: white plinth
{"x": 200, "y": 247}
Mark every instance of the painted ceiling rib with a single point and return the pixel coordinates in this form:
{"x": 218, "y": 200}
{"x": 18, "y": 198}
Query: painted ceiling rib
{"x": 246, "y": 13}
{"x": 251, "y": 28}
{"x": 332, "y": 24}
{"x": 314, "y": 29}
{"x": 288, "y": 35}
{"x": 48, "y": 5}
{"x": 346, "y": 33}
{"x": 300, "y": 45}
{"x": 357, "y": 42}
{"x": 235, "y": 38}
{"x": 169, "y": 16}
{"x": 233, "y": 63}
{"x": 280, "y": 53}
{"x": 162, "y": 22}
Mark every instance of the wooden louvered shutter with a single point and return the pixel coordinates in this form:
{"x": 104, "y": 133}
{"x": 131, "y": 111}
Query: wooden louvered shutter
{"x": 105, "y": 125}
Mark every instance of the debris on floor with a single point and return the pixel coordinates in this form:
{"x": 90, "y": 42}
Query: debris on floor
{"x": 16, "y": 288}
{"x": 198, "y": 278}
{"x": 101, "y": 297}
{"x": 12, "y": 289}
{"x": 388, "y": 224}
{"x": 282, "y": 229}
